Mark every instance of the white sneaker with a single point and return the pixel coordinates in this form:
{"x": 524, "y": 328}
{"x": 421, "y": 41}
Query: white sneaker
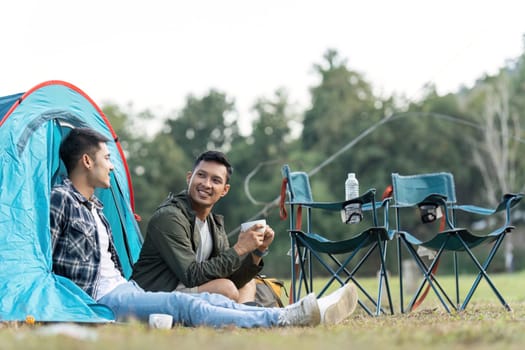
{"x": 337, "y": 306}
{"x": 305, "y": 312}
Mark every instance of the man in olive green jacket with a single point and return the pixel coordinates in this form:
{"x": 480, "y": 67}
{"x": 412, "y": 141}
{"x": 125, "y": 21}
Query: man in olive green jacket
{"x": 186, "y": 247}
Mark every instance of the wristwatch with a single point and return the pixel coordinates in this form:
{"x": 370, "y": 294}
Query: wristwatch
{"x": 260, "y": 254}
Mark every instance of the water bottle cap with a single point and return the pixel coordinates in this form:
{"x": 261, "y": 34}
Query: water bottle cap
{"x": 350, "y": 175}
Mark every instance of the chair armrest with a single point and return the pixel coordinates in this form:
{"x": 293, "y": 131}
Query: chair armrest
{"x": 331, "y": 206}
{"x": 367, "y": 197}
{"x": 378, "y": 204}
{"x": 470, "y": 208}
{"x": 509, "y": 200}
{"x": 373, "y": 205}
{"x": 434, "y": 198}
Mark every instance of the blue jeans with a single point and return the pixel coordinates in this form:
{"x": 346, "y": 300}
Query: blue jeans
{"x": 203, "y": 309}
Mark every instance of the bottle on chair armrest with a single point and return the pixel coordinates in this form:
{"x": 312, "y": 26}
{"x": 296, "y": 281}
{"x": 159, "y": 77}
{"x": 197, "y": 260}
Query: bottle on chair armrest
{"x": 352, "y": 212}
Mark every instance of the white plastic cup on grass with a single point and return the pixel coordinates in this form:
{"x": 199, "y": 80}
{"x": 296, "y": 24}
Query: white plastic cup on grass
{"x": 160, "y": 321}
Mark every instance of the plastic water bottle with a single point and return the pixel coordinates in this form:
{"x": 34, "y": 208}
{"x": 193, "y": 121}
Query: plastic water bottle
{"x": 351, "y": 187}
{"x": 353, "y": 211}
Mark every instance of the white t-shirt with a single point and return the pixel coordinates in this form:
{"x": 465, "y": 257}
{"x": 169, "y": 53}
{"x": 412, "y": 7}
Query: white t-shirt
{"x": 110, "y": 276}
{"x": 205, "y": 248}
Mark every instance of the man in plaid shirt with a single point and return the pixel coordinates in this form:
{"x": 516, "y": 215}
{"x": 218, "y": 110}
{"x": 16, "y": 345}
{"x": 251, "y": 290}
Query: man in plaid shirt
{"x": 83, "y": 251}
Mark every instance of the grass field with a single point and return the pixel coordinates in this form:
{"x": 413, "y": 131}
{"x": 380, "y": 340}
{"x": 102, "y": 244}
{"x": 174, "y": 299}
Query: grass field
{"x": 484, "y": 325}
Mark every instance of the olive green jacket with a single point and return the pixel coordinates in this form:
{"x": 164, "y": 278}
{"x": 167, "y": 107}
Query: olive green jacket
{"x": 168, "y": 255}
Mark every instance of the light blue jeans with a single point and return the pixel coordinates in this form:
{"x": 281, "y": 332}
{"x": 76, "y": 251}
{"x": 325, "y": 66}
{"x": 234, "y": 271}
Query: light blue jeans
{"x": 203, "y": 309}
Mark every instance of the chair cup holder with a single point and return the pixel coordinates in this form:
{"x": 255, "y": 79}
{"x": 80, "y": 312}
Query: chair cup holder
{"x": 352, "y": 213}
{"x": 429, "y": 212}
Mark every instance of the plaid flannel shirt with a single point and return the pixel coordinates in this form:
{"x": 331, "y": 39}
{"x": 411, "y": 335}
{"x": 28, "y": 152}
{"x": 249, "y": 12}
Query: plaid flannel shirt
{"x": 74, "y": 238}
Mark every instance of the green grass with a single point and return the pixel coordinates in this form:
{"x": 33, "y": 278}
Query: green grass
{"x": 484, "y": 325}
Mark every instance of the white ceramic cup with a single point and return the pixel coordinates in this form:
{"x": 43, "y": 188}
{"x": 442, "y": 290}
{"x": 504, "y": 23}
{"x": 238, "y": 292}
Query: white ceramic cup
{"x": 246, "y": 225}
{"x": 162, "y": 321}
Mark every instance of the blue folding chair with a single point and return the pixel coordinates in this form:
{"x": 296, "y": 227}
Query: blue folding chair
{"x": 339, "y": 258}
{"x": 434, "y": 196}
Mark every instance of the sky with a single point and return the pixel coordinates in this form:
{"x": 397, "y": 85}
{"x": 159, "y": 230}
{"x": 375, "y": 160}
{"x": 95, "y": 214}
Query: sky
{"x": 153, "y": 54}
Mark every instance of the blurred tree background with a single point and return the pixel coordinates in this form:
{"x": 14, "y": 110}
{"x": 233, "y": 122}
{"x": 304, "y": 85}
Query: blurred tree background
{"x": 474, "y": 133}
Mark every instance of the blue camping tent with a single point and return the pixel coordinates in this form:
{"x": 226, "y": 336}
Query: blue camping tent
{"x": 32, "y": 125}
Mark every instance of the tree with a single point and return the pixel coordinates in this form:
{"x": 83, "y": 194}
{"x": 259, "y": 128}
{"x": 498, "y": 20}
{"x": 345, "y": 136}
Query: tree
{"x": 497, "y": 153}
{"x": 341, "y": 103}
{"x": 256, "y": 181}
{"x": 343, "y": 106}
{"x": 156, "y": 163}
{"x": 158, "y": 168}
{"x": 205, "y": 123}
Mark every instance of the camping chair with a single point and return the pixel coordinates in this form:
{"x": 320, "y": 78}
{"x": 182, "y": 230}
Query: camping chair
{"x": 435, "y": 197}
{"x": 339, "y": 258}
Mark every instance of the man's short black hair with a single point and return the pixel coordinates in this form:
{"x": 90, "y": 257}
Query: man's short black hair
{"x": 78, "y": 142}
{"x": 215, "y": 156}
